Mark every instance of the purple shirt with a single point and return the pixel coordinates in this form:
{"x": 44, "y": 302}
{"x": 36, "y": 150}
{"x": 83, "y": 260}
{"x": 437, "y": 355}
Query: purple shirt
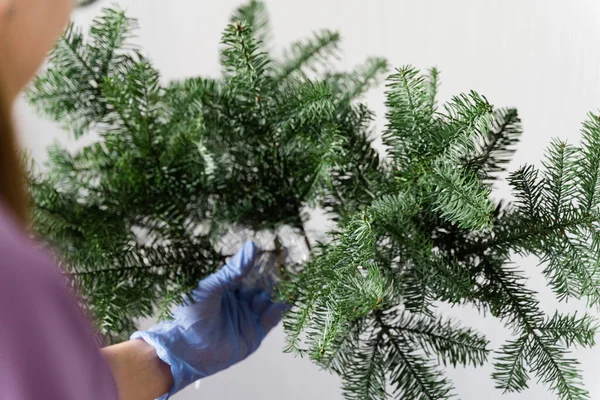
{"x": 47, "y": 349}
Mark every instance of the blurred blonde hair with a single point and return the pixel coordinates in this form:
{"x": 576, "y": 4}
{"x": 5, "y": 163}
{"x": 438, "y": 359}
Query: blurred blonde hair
{"x": 12, "y": 179}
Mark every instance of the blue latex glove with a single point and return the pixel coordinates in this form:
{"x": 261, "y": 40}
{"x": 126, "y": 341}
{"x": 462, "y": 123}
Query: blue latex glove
{"x": 226, "y": 324}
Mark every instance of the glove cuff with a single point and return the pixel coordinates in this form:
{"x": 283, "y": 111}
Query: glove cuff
{"x": 182, "y": 373}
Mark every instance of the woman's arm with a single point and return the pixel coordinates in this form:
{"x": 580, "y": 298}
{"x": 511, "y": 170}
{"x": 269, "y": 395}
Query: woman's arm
{"x": 137, "y": 370}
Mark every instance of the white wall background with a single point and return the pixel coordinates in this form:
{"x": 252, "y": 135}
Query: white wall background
{"x": 541, "y": 56}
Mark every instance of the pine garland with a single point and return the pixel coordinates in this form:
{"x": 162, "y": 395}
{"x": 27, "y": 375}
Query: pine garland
{"x": 138, "y": 215}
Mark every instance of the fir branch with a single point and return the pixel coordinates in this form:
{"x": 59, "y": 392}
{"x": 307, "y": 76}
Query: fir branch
{"x": 72, "y": 41}
{"x": 116, "y": 271}
{"x": 365, "y": 377}
{"x": 254, "y": 14}
{"x": 560, "y": 178}
{"x": 341, "y": 357}
{"x": 307, "y": 54}
{"x": 528, "y": 190}
{"x": 509, "y": 298}
{"x": 85, "y": 3}
{"x": 305, "y": 103}
{"x": 329, "y": 324}
{"x": 545, "y": 358}
{"x": 510, "y": 373}
{"x": 518, "y": 232}
{"x": 571, "y": 330}
{"x": 447, "y": 341}
{"x": 563, "y": 269}
{"x": 572, "y": 267}
{"x": 460, "y": 198}
{"x": 589, "y": 189}
{"x": 409, "y": 120}
{"x": 108, "y": 36}
{"x": 139, "y": 216}
{"x": 245, "y": 66}
{"x": 411, "y": 376}
{"x": 548, "y": 362}
{"x": 497, "y": 146}
{"x": 450, "y": 281}
{"x": 354, "y": 84}
{"x": 432, "y": 85}
{"x": 295, "y": 322}
{"x": 467, "y": 117}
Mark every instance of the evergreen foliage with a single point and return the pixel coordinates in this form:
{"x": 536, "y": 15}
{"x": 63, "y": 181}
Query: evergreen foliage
{"x": 138, "y": 215}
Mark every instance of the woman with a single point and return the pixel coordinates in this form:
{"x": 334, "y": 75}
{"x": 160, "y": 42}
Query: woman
{"x": 46, "y": 345}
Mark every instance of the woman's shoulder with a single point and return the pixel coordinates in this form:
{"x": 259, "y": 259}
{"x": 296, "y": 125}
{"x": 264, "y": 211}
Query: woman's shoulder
{"x": 20, "y": 258}
{"x": 42, "y": 328}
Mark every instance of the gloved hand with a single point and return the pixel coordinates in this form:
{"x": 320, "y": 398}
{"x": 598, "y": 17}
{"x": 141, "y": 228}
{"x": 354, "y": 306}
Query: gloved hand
{"x": 226, "y": 323}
